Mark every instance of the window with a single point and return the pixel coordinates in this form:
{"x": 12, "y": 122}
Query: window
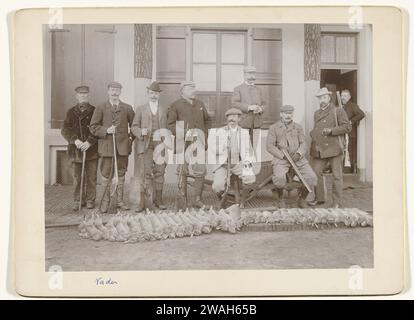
{"x": 339, "y": 49}
{"x": 218, "y": 59}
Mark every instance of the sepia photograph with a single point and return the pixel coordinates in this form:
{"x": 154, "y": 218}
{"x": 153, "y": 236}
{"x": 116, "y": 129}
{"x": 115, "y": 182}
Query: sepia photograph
{"x": 208, "y": 146}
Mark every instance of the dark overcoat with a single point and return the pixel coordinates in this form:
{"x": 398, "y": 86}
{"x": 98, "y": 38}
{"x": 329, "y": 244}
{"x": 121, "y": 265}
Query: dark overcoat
{"x": 121, "y": 117}
{"x": 76, "y": 126}
{"x": 355, "y": 114}
{"x": 329, "y": 146}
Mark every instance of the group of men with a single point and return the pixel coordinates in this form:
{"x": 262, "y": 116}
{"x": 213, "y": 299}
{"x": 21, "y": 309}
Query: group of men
{"x": 108, "y": 132}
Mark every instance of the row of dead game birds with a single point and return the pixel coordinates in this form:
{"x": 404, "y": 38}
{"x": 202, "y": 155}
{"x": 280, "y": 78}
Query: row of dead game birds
{"x": 147, "y": 226}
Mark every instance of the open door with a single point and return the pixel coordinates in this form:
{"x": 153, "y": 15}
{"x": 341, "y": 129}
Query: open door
{"x": 337, "y": 80}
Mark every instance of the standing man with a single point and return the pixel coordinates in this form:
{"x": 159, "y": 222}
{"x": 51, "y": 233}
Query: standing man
{"x": 328, "y": 143}
{"x": 193, "y": 115}
{"x": 288, "y": 135}
{"x": 234, "y": 142}
{"x": 76, "y": 132}
{"x": 113, "y": 118}
{"x": 148, "y": 119}
{"x": 248, "y": 98}
{"x": 355, "y": 114}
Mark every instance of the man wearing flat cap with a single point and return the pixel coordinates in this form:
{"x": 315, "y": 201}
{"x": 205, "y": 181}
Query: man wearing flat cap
{"x": 192, "y": 114}
{"x": 113, "y": 118}
{"x": 76, "y": 132}
{"x": 288, "y": 135}
{"x": 234, "y": 147}
{"x": 248, "y": 98}
{"x": 328, "y": 142}
{"x": 149, "y": 119}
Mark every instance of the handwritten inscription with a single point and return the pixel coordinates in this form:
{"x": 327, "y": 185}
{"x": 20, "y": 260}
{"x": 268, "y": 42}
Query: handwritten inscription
{"x": 105, "y": 282}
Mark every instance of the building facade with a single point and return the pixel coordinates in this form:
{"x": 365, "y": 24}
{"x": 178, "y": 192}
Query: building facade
{"x": 293, "y": 61}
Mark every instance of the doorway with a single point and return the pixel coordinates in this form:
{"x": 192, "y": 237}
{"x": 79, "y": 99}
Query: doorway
{"x": 336, "y": 80}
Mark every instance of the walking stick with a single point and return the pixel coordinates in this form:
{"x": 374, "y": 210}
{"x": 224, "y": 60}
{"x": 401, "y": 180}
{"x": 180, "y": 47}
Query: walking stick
{"x": 115, "y": 171}
{"x": 82, "y": 175}
{"x": 115, "y": 166}
{"x": 228, "y": 173}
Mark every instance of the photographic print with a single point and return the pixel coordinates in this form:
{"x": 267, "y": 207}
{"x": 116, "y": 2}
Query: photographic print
{"x": 287, "y": 107}
{"x": 209, "y": 151}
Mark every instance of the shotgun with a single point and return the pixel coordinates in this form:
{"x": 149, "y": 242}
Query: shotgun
{"x": 295, "y": 168}
{"x": 347, "y": 160}
{"x": 181, "y": 201}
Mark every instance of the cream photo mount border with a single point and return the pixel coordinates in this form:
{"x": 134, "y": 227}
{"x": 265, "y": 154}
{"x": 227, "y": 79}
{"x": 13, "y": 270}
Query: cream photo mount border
{"x": 388, "y": 275}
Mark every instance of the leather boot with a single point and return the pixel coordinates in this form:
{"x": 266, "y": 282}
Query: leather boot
{"x": 141, "y": 204}
{"x": 244, "y": 195}
{"x": 281, "y": 203}
{"x": 120, "y": 194}
{"x": 158, "y": 200}
{"x": 106, "y": 183}
{"x": 198, "y": 190}
{"x": 302, "y": 198}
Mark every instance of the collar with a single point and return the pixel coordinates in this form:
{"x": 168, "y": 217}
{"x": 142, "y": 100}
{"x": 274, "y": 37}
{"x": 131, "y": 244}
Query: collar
{"x": 82, "y": 108}
{"x": 249, "y": 84}
{"x": 286, "y": 124}
{"x": 326, "y": 108}
{"x": 153, "y": 107}
{"x": 190, "y": 102}
{"x": 114, "y": 105}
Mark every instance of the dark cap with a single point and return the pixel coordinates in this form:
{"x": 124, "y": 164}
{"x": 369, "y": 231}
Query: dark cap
{"x": 82, "y": 89}
{"x": 114, "y": 84}
{"x": 287, "y": 108}
{"x": 233, "y": 111}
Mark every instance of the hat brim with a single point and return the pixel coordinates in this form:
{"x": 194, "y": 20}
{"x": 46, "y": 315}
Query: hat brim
{"x": 154, "y": 90}
{"x": 233, "y": 114}
{"x": 323, "y": 94}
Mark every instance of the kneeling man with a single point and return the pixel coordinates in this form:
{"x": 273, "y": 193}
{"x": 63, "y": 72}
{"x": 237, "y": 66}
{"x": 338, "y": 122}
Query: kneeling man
{"x": 288, "y": 135}
{"x": 234, "y": 143}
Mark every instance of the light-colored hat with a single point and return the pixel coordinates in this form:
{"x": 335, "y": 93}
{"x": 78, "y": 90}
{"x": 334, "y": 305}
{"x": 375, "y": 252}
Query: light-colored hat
{"x": 233, "y": 111}
{"x": 82, "y": 89}
{"x": 287, "y": 108}
{"x": 155, "y": 86}
{"x": 249, "y": 69}
{"x": 187, "y": 84}
{"x": 322, "y": 91}
{"x": 114, "y": 84}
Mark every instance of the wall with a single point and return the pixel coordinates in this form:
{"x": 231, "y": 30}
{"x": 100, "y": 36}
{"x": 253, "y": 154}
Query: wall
{"x": 293, "y": 86}
{"x": 124, "y": 72}
{"x": 293, "y": 83}
{"x": 365, "y": 129}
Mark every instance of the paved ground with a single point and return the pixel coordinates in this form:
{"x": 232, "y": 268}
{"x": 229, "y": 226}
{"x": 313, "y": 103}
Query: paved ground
{"x": 333, "y": 248}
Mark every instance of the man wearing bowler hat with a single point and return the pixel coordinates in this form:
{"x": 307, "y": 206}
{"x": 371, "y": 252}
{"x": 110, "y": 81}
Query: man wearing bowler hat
{"x": 149, "y": 119}
{"x": 113, "y": 118}
{"x": 248, "y": 98}
{"x": 76, "y": 132}
{"x": 328, "y": 143}
{"x": 288, "y": 135}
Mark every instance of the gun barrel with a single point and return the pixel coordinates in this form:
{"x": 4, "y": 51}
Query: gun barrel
{"x": 295, "y": 168}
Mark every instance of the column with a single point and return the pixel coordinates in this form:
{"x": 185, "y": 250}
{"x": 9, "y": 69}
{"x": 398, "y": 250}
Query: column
{"x": 312, "y": 58}
{"x": 143, "y": 73}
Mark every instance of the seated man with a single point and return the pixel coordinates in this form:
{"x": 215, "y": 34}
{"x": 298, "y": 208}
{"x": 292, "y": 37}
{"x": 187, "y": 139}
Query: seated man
{"x": 234, "y": 148}
{"x": 288, "y": 135}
